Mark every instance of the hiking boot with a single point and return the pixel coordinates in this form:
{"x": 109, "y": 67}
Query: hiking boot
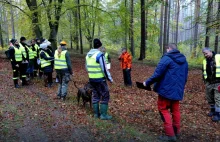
{"x": 96, "y": 110}
{"x": 168, "y": 138}
{"x": 212, "y": 111}
{"x": 104, "y": 115}
{"x": 17, "y": 86}
{"x": 216, "y": 117}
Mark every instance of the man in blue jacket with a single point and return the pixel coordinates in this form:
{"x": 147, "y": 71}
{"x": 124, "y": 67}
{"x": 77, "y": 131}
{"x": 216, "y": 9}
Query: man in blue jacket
{"x": 170, "y": 78}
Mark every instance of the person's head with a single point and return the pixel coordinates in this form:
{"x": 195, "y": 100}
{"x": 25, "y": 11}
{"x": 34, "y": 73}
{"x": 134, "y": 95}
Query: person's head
{"x": 22, "y": 39}
{"x": 103, "y": 49}
{"x": 97, "y": 43}
{"x": 63, "y": 43}
{"x": 123, "y": 50}
{"x": 171, "y": 46}
{"x": 207, "y": 52}
{"x": 33, "y": 41}
{"x": 14, "y": 41}
{"x": 43, "y": 46}
{"x": 37, "y": 40}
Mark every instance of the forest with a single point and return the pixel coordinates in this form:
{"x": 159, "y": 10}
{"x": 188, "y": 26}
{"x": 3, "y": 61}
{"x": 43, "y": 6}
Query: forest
{"x": 144, "y": 28}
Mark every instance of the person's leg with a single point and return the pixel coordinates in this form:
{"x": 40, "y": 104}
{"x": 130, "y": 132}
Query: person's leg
{"x": 50, "y": 79}
{"x": 65, "y": 80}
{"x": 175, "y": 110}
{"x": 15, "y": 76}
{"x": 95, "y": 98}
{"x": 23, "y": 69}
{"x": 128, "y": 76}
{"x": 104, "y": 101}
{"x": 216, "y": 116}
{"x": 163, "y": 106}
{"x": 125, "y": 77}
{"x": 59, "y": 92}
{"x": 45, "y": 79}
{"x": 209, "y": 91}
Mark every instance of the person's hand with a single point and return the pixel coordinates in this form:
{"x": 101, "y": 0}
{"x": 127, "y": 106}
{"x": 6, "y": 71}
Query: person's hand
{"x": 144, "y": 83}
{"x": 17, "y": 65}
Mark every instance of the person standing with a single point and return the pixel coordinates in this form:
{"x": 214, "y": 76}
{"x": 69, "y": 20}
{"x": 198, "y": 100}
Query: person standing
{"x": 32, "y": 55}
{"x": 107, "y": 57}
{"x": 211, "y": 76}
{"x": 35, "y": 49}
{"x": 126, "y": 62}
{"x": 38, "y": 42}
{"x": 62, "y": 65}
{"x": 46, "y": 65}
{"x": 97, "y": 72}
{"x": 24, "y": 64}
{"x": 170, "y": 77}
{"x": 16, "y": 57}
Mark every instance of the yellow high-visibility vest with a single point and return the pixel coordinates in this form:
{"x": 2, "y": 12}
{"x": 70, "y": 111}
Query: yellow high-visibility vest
{"x": 94, "y": 68}
{"x": 23, "y": 50}
{"x": 43, "y": 62}
{"x": 18, "y": 54}
{"x": 217, "y": 62}
{"x": 60, "y": 62}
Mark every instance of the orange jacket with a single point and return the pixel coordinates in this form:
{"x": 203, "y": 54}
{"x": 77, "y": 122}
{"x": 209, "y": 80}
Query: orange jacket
{"x": 125, "y": 59}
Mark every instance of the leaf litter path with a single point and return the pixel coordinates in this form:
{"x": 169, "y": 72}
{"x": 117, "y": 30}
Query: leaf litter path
{"x": 32, "y": 113}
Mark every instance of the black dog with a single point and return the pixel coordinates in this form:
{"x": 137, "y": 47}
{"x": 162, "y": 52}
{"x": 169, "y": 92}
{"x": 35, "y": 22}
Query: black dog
{"x": 85, "y": 93}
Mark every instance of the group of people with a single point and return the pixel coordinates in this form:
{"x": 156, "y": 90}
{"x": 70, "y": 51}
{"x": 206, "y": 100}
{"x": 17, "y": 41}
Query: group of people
{"x": 27, "y": 60}
{"x": 169, "y": 77}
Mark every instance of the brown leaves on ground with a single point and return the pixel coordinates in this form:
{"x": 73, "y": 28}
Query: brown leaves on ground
{"x": 36, "y": 106}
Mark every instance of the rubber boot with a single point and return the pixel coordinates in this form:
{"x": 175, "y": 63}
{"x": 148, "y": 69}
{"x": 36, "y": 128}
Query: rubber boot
{"x": 216, "y": 117}
{"x": 104, "y": 109}
{"x": 96, "y": 110}
{"x": 212, "y": 111}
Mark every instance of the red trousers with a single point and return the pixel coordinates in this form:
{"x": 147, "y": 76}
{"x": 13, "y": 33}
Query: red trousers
{"x": 171, "y": 124}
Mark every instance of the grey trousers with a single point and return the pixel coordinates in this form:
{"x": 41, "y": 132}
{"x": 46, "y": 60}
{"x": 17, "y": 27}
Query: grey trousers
{"x": 64, "y": 78}
{"x": 212, "y": 95}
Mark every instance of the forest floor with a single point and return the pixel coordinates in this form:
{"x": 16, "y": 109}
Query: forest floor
{"x": 32, "y": 113}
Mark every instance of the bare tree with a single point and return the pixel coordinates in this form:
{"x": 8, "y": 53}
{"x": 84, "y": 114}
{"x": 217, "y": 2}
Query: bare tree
{"x": 165, "y": 27}
{"x": 80, "y": 29}
{"x": 208, "y": 19}
{"x": 217, "y": 29}
{"x": 12, "y": 21}
{"x": 177, "y": 20}
{"x": 161, "y": 27}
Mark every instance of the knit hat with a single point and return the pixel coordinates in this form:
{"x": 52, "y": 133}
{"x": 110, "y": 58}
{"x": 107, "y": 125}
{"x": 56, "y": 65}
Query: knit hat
{"x": 13, "y": 40}
{"x": 97, "y": 43}
{"x": 22, "y": 38}
{"x": 43, "y": 45}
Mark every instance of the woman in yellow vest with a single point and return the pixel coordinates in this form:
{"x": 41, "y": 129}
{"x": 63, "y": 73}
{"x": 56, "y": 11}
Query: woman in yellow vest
{"x": 45, "y": 61}
{"x": 62, "y": 65}
{"x": 32, "y": 54}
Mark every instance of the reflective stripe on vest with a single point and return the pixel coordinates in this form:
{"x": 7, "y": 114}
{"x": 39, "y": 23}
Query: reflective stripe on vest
{"x": 43, "y": 62}
{"x": 94, "y": 68}
{"x": 60, "y": 62}
{"x": 36, "y": 47}
{"x": 217, "y": 62}
{"x": 23, "y": 50}
{"x": 18, "y": 54}
{"x": 31, "y": 53}
{"x": 106, "y": 58}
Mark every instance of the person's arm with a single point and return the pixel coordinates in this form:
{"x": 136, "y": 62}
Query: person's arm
{"x": 129, "y": 61}
{"x": 159, "y": 71}
{"x": 12, "y": 55}
{"x": 68, "y": 61}
{"x": 43, "y": 55}
{"x": 101, "y": 61}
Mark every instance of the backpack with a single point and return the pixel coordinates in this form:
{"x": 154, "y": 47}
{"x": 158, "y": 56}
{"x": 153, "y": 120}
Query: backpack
{"x": 7, "y": 54}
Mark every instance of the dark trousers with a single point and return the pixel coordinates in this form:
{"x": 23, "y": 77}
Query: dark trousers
{"x": 127, "y": 77}
{"x": 100, "y": 92}
{"x": 17, "y": 71}
{"x": 24, "y": 70}
{"x": 48, "y": 79}
{"x": 171, "y": 119}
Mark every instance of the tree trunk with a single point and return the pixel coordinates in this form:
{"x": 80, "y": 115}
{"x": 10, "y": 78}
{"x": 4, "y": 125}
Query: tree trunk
{"x": 168, "y": 21}
{"x": 71, "y": 32}
{"x": 6, "y": 25}
{"x": 12, "y": 21}
{"x": 177, "y": 21}
{"x": 132, "y": 27}
{"x": 208, "y": 19}
{"x": 217, "y": 29}
{"x": 76, "y": 27}
{"x": 197, "y": 11}
{"x": 126, "y": 25}
{"x": 80, "y": 29}
{"x": 1, "y": 31}
{"x": 143, "y": 31}
{"x": 165, "y": 27}
{"x": 161, "y": 28}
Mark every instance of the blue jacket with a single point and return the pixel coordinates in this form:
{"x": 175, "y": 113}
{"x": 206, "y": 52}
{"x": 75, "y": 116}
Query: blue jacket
{"x": 170, "y": 76}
